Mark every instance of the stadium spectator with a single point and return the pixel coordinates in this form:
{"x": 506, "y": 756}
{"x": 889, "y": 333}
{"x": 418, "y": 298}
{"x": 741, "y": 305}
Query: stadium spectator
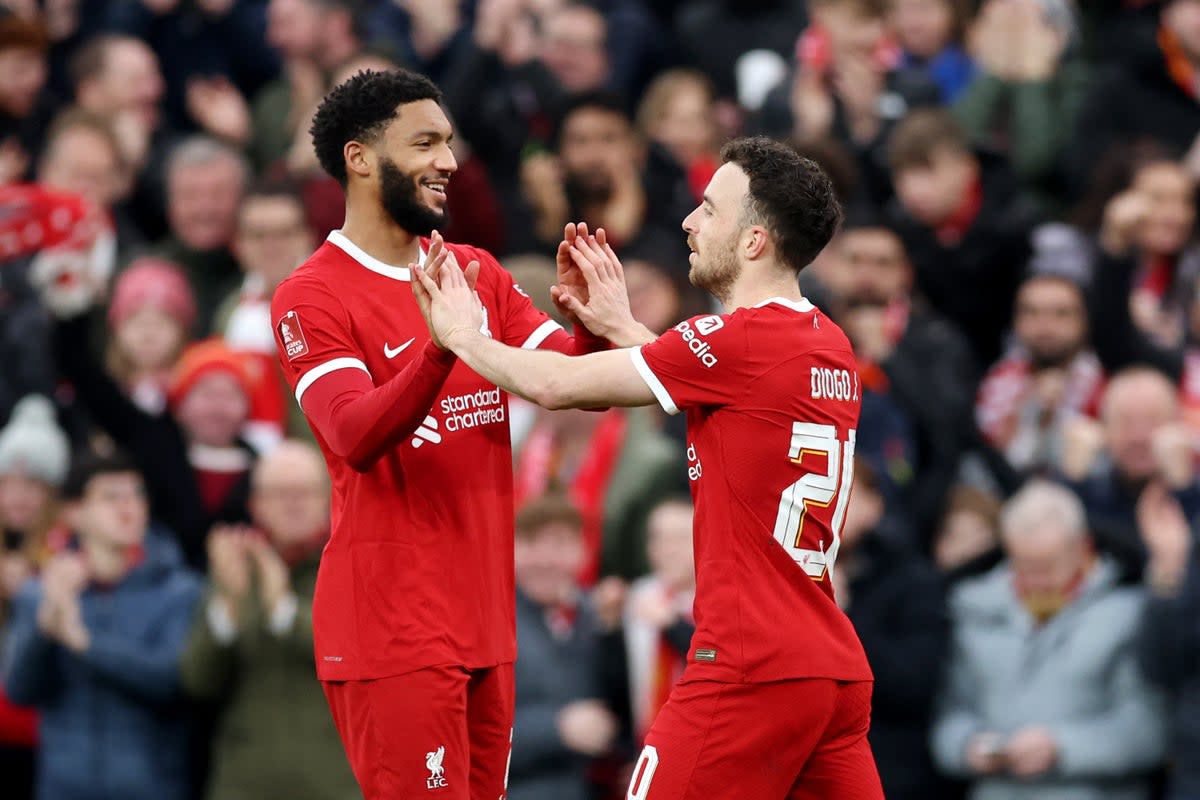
{"x": 574, "y": 46}
{"x": 311, "y": 38}
{"x": 561, "y": 721}
{"x": 250, "y": 648}
{"x": 656, "y": 618}
{"x": 966, "y": 226}
{"x": 1150, "y": 96}
{"x": 849, "y": 82}
{"x": 1139, "y": 440}
{"x": 205, "y": 182}
{"x": 195, "y": 464}
{"x": 967, "y": 540}
{"x": 904, "y": 350}
{"x": 150, "y": 314}
{"x": 1048, "y": 376}
{"x": 95, "y": 644}
{"x": 896, "y": 600}
{"x": 1044, "y": 697}
{"x": 24, "y": 107}
{"x": 271, "y": 239}
{"x": 678, "y": 112}
{"x": 600, "y": 172}
{"x": 34, "y": 456}
{"x": 1025, "y": 98}
{"x": 1169, "y": 645}
{"x": 931, "y": 36}
{"x": 82, "y": 155}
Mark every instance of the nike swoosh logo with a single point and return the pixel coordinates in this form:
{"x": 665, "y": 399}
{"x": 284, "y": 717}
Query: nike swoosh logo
{"x": 390, "y": 353}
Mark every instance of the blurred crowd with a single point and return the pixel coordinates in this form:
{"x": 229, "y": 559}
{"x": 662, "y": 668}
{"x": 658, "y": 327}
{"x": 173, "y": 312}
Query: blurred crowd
{"x": 1019, "y": 273}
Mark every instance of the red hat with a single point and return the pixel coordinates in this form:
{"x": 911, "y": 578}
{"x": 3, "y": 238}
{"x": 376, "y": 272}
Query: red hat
{"x": 204, "y": 358}
{"x": 152, "y": 281}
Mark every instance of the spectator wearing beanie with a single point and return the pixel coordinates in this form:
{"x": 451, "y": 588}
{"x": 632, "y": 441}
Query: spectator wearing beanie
{"x": 195, "y": 463}
{"x": 34, "y": 456}
{"x": 149, "y": 318}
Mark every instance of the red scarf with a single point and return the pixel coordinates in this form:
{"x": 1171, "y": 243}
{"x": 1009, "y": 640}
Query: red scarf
{"x": 1179, "y": 66}
{"x": 539, "y": 466}
{"x": 952, "y": 229}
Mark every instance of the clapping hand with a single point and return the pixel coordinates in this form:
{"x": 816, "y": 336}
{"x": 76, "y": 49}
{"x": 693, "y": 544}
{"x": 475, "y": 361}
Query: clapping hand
{"x": 446, "y": 294}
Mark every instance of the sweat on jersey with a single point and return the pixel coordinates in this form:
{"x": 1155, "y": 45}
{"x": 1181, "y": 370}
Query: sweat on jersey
{"x": 418, "y": 570}
{"x": 772, "y": 401}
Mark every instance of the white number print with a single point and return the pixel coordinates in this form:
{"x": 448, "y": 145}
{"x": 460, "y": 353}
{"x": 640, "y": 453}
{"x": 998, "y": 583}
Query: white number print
{"x": 817, "y": 490}
{"x": 643, "y": 773}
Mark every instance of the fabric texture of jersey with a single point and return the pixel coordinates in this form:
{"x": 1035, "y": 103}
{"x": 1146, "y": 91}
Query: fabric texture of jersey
{"x": 772, "y": 401}
{"x": 418, "y": 571}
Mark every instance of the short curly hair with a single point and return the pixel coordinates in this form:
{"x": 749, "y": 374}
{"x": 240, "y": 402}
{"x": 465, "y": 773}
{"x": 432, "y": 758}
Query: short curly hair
{"x": 790, "y": 195}
{"x": 360, "y": 108}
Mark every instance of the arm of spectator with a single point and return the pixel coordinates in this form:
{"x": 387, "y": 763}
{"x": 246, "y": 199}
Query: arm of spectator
{"x": 1130, "y": 737}
{"x": 109, "y": 406}
{"x": 148, "y": 669}
{"x": 537, "y": 742}
{"x": 209, "y": 657}
{"x": 957, "y": 719}
{"x": 905, "y": 652}
{"x": 1043, "y": 119}
{"x": 1169, "y": 637}
{"x": 1117, "y": 341}
{"x": 976, "y": 108}
{"x": 30, "y": 665}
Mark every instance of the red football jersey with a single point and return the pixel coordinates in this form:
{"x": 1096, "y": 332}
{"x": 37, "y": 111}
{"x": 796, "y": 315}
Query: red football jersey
{"x": 772, "y": 401}
{"x": 418, "y": 570}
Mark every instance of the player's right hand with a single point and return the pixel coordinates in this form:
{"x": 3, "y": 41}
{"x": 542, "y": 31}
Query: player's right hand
{"x": 445, "y": 296}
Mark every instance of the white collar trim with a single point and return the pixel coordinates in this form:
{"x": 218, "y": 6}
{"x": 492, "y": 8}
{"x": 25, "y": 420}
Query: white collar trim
{"x": 803, "y": 307}
{"x": 340, "y": 241}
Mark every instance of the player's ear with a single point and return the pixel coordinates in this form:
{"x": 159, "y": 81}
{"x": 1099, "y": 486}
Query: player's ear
{"x": 360, "y": 159}
{"x": 756, "y": 242}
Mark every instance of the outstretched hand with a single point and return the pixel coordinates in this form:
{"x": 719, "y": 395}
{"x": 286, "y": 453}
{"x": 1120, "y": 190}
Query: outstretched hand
{"x": 445, "y": 293}
{"x": 602, "y": 305}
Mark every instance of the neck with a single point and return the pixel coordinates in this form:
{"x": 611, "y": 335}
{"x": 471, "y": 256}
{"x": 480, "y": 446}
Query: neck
{"x": 108, "y": 563}
{"x": 750, "y": 290}
{"x": 369, "y": 227}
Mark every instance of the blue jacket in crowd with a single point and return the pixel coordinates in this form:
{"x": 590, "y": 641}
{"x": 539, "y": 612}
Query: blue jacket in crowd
{"x": 111, "y": 721}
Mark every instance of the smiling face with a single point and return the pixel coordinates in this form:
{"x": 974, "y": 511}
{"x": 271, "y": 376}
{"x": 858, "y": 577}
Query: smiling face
{"x": 414, "y": 163}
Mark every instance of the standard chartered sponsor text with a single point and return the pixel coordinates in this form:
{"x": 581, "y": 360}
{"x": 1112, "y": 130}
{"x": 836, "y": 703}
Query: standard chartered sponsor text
{"x": 482, "y": 407}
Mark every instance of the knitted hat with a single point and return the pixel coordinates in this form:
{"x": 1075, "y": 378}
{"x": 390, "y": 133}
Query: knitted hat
{"x": 33, "y": 444}
{"x": 152, "y": 281}
{"x": 204, "y": 358}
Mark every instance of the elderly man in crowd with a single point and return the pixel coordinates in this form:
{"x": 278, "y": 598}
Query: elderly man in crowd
{"x": 1044, "y": 698}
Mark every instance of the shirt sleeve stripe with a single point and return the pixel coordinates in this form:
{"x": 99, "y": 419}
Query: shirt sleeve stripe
{"x": 660, "y": 392}
{"x": 320, "y": 371}
{"x": 541, "y": 334}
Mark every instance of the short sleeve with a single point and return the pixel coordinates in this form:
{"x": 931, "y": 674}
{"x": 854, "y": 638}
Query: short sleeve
{"x": 702, "y": 361}
{"x": 521, "y": 323}
{"x": 312, "y": 334}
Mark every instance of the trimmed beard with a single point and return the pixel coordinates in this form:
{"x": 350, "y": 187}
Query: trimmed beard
{"x": 398, "y": 194}
{"x": 717, "y": 274}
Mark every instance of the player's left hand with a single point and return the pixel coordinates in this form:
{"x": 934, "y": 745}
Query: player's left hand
{"x": 446, "y": 296}
{"x": 1031, "y": 751}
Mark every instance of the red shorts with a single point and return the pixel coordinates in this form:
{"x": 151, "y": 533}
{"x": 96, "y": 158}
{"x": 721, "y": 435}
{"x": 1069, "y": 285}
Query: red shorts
{"x": 443, "y": 733}
{"x": 790, "y": 740}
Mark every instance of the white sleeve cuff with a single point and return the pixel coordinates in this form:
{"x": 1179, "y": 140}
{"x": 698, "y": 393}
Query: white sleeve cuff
{"x": 660, "y": 392}
{"x": 541, "y": 334}
{"x": 321, "y": 370}
{"x": 223, "y": 628}
{"x": 284, "y": 615}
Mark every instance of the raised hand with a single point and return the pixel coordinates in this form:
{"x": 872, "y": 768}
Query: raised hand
{"x": 273, "y": 578}
{"x": 605, "y": 311}
{"x": 446, "y": 296}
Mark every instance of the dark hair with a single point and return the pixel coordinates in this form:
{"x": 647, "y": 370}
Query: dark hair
{"x": 922, "y": 134}
{"x": 360, "y": 108}
{"x": 88, "y": 464}
{"x": 19, "y": 33}
{"x": 549, "y": 509}
{"x": 596, "y": 99}
{"x": 789, "y": 194}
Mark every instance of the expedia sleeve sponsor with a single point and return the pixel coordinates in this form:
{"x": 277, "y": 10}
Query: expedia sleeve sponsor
{"x": 700, "y": 348}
